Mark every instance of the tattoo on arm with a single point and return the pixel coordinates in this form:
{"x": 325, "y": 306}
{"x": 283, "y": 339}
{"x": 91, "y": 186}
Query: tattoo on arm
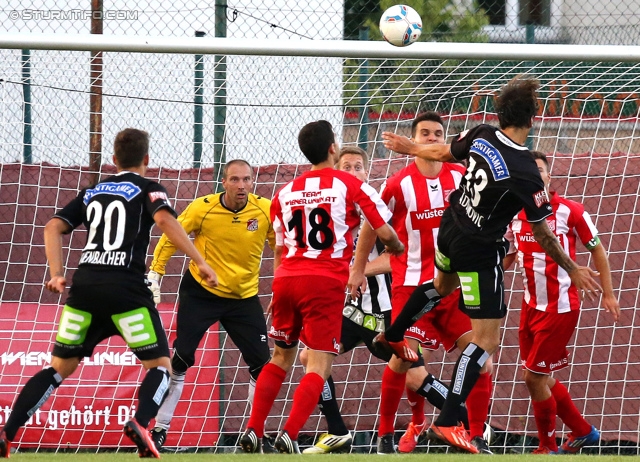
{"x": 551, "y": 246}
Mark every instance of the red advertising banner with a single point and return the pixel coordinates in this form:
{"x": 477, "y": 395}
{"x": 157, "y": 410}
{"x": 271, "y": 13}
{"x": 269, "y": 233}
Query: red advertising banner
{"x": 91, "y": 407}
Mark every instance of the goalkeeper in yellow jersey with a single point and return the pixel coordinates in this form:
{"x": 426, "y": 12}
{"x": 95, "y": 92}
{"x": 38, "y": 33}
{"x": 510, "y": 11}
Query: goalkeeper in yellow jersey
{"x": 230, "y": 229}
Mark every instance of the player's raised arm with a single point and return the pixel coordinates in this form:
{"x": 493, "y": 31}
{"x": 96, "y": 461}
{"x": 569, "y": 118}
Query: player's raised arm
{"x": 403, "y": 145}
{"x": 176, "y": 234}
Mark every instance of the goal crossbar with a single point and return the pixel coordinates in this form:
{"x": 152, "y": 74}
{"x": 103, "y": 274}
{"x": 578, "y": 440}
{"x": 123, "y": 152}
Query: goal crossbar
{"x": 320, "y": 48}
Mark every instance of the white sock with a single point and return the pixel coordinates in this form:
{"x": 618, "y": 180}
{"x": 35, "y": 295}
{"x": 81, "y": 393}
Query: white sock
{"x": 165, "y": 413}
{"x": 252, "y": 390}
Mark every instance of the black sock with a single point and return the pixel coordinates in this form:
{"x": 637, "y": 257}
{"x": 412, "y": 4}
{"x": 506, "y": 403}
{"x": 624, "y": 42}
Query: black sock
{"x": 423, "y": 299}
{"x": 153, "y": 391}
{"x": 436, "y": 393}
{"x": 329, "y": 408}
{"x": 434, "y": 390}
{"x": 465, "y": 375}
{"x": 34, "y": 394}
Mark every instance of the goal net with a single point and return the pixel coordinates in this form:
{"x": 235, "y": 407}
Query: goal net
{"x": 215, "y": 100}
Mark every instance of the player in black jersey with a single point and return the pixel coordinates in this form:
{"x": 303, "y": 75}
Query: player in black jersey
{"x": 501, "y": 179}
{"x": 109, "y": 294}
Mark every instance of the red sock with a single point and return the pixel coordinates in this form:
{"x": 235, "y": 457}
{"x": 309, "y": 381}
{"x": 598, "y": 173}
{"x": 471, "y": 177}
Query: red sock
{"x": 478, "y": 405}
{"x": 267, "y": 388}
{"x": 416, "y": 402}
{"x": 568, "y": 412}
{"x": 390, "y": 395}
{"x": 305, "y": 399}
{"x": 545, "y": 414}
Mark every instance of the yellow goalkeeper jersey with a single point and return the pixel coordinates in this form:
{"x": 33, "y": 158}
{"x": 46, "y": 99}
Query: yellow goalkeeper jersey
{"x": 231, "y": 242}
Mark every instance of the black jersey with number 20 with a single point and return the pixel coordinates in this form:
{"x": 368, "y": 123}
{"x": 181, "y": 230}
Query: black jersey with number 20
{"x": 502, "y": 178}
{"x": 118, "y": 214}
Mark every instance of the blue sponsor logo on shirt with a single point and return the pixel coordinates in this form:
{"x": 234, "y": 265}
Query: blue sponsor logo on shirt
{"x": 493, "y": 157}
{"x": 124, "y": 189}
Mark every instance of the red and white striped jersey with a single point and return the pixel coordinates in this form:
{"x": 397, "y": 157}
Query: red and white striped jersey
{"x": 547, "y": 287}
{"x": 417, "y": 203}
{"x": 314, "y": 218}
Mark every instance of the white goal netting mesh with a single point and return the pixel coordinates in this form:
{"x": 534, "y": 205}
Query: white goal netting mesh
{"x": 252, "y": 108}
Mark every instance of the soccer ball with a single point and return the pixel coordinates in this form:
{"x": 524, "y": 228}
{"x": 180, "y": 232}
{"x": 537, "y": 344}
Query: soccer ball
{"x": 400, "y": 25}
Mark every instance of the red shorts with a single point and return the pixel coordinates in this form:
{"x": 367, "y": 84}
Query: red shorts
{"x": 544, "y": 338}
{"x": 309, "y": 309}
{"x": 443, "y": 325}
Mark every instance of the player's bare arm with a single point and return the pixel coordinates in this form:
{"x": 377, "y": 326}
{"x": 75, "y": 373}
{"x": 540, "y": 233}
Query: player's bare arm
{"x": 366, "y": 241}
{"x": 380, "y": 265}
{"x": 389, "y": 238}
{"x": 508, "y": 260}
{"x": 53, "y": 232}
{"x": 403, "y": 145}
{"x": 176, "y": 234}
{"x": 581, "y": 276}
{"x": 277, "y": 259}
{"x": 277, "y": 256}
{"x": 609, "y": 301}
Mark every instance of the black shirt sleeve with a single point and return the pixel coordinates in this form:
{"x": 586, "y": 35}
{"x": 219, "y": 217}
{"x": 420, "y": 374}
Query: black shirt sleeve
{"x": 535, "y": 199}
{"x": 157, "y": 199}
{"x": 73, "y": 212}
{"x": 462, "y": 142}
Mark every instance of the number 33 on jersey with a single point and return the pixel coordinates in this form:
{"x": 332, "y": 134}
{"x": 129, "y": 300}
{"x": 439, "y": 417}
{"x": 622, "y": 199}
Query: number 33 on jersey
{"x": 314, "y": 217}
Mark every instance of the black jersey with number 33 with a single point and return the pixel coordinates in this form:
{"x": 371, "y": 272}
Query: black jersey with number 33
{"x": 502, "y": 178}
{"x": 118, "y": 214}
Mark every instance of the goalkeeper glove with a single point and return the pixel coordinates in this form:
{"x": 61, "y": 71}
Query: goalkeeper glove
{"x": 154, "y": 285}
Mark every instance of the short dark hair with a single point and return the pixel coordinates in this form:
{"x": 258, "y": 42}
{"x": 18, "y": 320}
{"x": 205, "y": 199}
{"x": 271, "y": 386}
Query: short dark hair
{"x": 130, "y": 147}
{"x": 355, "y": 150}
{"x": 315, "y": 139}
{"x": 517, "y": 102}
{"x": 542, "y": 156}
{"x": 428, "y": 115}
{"x": 225, "y": 169}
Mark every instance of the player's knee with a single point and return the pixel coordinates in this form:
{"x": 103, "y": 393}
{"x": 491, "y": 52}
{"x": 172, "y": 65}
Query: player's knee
{"x": 303, "y": 357}
{"x": 284, "y": 355}
{"x": 399, "y": 366}
{"x": 415, "y": 378}
{"x": 180, "y": 363}
{"x": 534, "y": 380}
{"x": 255, "y": 371}
{"x": 64, "y": 367}
{"x": 446, "y": 283}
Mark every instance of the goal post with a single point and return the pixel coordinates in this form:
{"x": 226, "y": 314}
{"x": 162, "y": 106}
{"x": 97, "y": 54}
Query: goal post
{"x": 587, "y": 124}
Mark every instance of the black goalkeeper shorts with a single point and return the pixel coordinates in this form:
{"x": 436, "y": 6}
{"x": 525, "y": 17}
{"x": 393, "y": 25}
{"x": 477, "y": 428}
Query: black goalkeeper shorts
{"x": 243, "y": 319}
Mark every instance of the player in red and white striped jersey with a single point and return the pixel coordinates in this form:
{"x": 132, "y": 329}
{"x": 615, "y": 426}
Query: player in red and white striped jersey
{"x": 550, "y": 310}
{"x": 314, "y": 218}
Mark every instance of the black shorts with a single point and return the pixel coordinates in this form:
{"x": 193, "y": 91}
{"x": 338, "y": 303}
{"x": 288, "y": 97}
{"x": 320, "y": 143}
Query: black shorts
{"x": 358, "y": 327}
{"x": 243, "y": 319}
{"x": 479, "y": 267}
{"x": 94, "y": 312}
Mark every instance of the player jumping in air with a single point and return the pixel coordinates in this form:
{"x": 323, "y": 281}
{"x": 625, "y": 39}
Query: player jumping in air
{"x": 501, "y": 179}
